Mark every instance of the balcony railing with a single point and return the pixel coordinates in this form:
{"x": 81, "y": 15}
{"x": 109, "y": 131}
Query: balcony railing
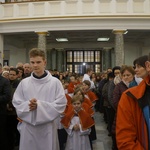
{"x": 58, "y": 9}
{"x": 20, "y": 1}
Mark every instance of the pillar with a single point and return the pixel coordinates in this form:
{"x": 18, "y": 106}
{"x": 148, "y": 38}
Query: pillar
{"x": 54, "y": 58}
{"x": 119, "y": 47}
{"x": 49, "y": 59}
{"x": 64, "y": 60}
{"x": 42, "y": 41}
{"x": 112, "y": 57}
{"x": 106, "y": 58}
{"x": 60, "y": 60}
{"x": 1, "y": 48}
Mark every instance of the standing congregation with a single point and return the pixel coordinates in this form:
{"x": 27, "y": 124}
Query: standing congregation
{"x": 44, "y": 109}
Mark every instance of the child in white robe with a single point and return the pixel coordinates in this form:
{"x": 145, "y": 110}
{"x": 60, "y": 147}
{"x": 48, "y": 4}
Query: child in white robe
{"x": 77, "y": 123}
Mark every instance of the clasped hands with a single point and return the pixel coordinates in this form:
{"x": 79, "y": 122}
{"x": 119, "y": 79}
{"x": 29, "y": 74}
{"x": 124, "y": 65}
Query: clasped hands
{"x": 76, "y": 127}
{"x": 33, "y": 104}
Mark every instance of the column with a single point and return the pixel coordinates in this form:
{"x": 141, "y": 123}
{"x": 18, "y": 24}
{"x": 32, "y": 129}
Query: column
{"x": 64, "y": 60}
{"x": 54, "y": 58}
{"x": 1, "y": 48}
{"x": 49, "y": 58}
{"x": 112, "y": 57}
{"x": 42, "y": 41}
{"x": 106, "y": 58}
{"x": 119, "y": 47}
{"x": 60, "y": 60}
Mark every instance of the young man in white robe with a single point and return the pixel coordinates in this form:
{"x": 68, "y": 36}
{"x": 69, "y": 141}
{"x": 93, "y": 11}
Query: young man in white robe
{"x": 39, "y": 100}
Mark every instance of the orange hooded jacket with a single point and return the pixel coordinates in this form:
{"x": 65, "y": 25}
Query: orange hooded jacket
{"x": 85, "y": 118}
{"x": 131, "y": 129}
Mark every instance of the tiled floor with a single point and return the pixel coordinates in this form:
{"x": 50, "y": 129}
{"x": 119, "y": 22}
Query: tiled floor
{"x": 103, "y": 141}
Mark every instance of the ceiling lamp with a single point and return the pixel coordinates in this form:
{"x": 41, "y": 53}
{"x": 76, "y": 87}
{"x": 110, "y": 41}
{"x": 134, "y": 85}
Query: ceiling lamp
{"x": 102, "y": 39}
{"x": 126, "y": 32}
{"x": 61, "y": 39}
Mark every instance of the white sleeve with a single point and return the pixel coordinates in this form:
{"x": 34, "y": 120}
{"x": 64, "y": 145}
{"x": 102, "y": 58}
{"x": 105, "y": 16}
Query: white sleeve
{"x": 84, "y": 132}
{"x": 92, "y": 85}
{"x": 70, "y": 130}
{"x": 85, "y": 77}
{"x": 45, "y": 112}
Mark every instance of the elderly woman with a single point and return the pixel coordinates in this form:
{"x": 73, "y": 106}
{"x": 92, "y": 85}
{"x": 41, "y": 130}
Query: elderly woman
{"x": 5, "y": 74}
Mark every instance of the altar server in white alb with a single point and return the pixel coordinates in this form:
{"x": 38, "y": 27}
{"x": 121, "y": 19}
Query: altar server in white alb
{"x": 87, "y": 76}
{"x": 39, "y": 100}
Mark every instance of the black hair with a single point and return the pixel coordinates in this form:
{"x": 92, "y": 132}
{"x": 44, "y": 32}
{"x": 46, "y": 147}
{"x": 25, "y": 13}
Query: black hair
{"x": 88, "y": 70}
{"x": 14, "y": 69}
{"x": 110, "y": 75}
{"x": 115, "y": 68}
{"x": 141, "y": 61}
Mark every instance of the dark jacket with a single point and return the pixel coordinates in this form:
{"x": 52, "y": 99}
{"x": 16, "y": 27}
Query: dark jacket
{"x": 119, "y": 89}
{"x": 111, "y": 88}
{"x": 5, "y": 94}
{"x": 10, "y": 107}
{"x": 105, "y": 94}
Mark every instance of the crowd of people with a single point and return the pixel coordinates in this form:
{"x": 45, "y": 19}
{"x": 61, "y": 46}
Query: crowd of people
{"x": 52, "y": 110}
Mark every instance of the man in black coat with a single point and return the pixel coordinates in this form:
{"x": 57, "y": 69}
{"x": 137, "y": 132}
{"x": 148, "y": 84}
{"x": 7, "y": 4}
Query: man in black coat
{"x": 12, "y": 132}
{"x": 0, "y": 68}
{"x": 5, "y": 96}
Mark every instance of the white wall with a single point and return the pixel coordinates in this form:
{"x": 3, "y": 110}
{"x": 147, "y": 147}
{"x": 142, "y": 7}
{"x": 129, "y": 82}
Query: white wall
{"x": 146, "y": 50}
{"x": 132, "y": 51}
{"x": 16, "y": 55}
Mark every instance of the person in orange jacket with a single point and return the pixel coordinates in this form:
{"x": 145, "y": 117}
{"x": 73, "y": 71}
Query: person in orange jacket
{"x": 133, "y": 116}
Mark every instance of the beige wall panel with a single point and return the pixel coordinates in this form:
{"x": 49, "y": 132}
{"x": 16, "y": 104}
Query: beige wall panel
{"x": 104, "y": 6}
{"x": 71, "y": 7}
{"x": 138, "y": 6}
{"x": 88, "y": 7}
{"x": 121, "y": 6}
{"x": 2, "y": 11}
{"x": 38, "y": 9}
{"x": 8, "y": 11}
{"x": 23, "y": 10}
{"x": 55, "y": 8}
